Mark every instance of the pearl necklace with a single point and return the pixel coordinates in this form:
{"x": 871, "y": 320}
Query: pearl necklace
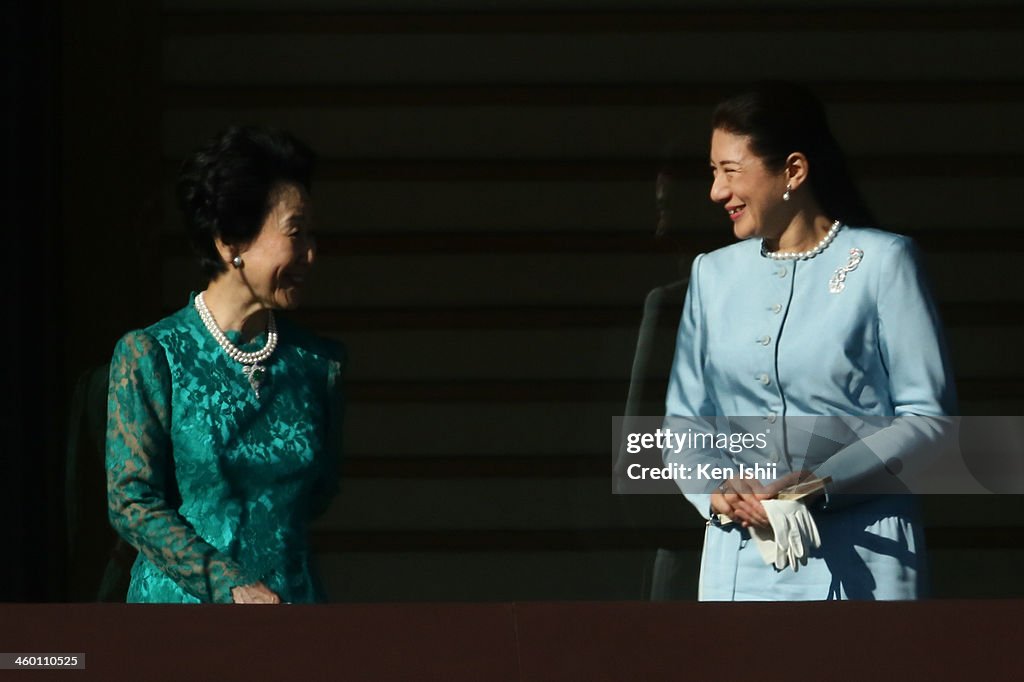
{"x": 804, "y": 255}
{"x": 252, "y": 369}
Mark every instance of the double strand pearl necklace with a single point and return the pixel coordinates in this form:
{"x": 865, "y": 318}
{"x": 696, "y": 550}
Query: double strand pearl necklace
{"x": 251, "y": 367}
{"x": 804, "y": 255}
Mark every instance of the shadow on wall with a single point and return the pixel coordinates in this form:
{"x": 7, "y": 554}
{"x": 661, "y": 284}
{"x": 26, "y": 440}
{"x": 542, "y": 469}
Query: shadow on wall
{"x": 99, "y": 562}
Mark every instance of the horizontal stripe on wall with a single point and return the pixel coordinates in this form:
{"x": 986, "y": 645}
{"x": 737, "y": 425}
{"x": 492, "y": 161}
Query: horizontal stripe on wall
{"x": 895, "y": 19}
{"x": 560, "y": 502}
{"x": 340, "y": 320}
{"x": 548, "y": 170}
{"x": 961, "y": 241}
{"x": 528, "y": 6}
{"x": 574, "y": 391}
{"x": 941, "y": 538}
{"x": 568, "y": 207}
{"x": 551, "y": 503}
{"x": 567, "y": 352}
{"x": 445, "y": 429}
{"x": 604, "y": 353}
{"x": 891, "y": 131}
{"x": 544, "y": 317}
{"x": 574, "y": 279}
{"x": 501, "y": 466}
{"x": 612, "y": 57}
{"x": 490, "y": 576}
{"x": 330, "y": 96}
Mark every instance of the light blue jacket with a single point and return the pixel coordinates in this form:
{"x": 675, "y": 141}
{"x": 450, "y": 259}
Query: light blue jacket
{"x": 852, "y": 332}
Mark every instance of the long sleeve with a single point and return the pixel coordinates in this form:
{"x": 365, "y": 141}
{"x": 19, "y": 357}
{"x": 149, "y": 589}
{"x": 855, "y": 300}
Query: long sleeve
{"x": 912, "y": 347}
{"x": 914, "y": 359}
{"x": 141, "y": 489}
{"x": 688, "y": 397}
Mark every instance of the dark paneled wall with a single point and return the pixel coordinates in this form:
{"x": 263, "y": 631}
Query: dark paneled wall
{"x": 486, "y": 212}
{"x": 31, "y": 369}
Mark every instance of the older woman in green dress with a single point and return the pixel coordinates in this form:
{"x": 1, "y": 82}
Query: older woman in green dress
{"x": 223, "y": 419}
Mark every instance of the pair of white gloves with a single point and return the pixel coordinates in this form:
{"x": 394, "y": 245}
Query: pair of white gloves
{"x": 791, "y": 536}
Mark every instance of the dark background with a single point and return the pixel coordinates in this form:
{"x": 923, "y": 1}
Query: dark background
{"x": 485, "y": 204}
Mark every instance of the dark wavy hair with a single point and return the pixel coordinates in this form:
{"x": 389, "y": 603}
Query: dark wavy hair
{"x": 228, "y": 186}
{"x": 782, "y": 118}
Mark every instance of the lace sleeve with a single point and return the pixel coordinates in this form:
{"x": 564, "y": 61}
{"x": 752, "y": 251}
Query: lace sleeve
{"x": 141, "y": 488}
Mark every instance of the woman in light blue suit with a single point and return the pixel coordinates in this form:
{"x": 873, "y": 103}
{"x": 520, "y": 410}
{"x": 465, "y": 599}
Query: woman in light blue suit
{"x": 811, "y": 314}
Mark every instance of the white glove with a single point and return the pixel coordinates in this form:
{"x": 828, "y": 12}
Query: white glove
{"x": 792, "y": 535}
{"x": 774, "y": 553}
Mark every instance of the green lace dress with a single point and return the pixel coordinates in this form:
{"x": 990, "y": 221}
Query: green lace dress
{"x": 214, "y": 486}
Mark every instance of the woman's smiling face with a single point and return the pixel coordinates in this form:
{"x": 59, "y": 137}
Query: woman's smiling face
{"x": 749, "y": 191}
{"x": 278, "y": 261}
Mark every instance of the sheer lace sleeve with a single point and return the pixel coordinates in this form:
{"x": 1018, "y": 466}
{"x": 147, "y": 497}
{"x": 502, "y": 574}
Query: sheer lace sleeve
{"x": 141, "y": 490}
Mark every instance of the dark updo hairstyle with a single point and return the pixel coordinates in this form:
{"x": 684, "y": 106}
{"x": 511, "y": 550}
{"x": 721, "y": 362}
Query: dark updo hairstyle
{"x": 227, "y": 188}
{"x": 783, "y": 118}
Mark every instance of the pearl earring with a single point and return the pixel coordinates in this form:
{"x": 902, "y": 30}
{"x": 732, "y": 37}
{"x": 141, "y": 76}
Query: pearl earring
{"x": 785, "y": 195}
{"x": 237, "y": 261}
